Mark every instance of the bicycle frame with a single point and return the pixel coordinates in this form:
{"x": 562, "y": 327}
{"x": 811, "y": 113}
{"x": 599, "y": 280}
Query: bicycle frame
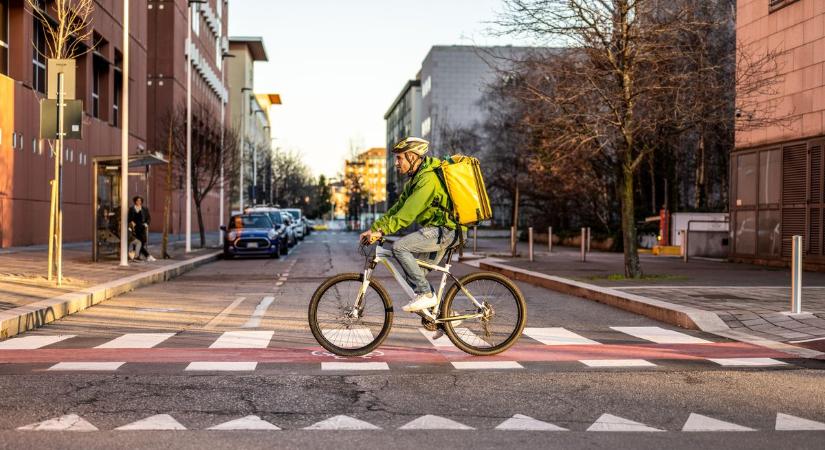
{"x": 385, "y": 257}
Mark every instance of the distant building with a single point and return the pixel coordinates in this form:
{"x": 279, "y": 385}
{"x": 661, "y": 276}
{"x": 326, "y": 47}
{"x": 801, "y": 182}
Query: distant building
{"x": 403, "y": 120}
{"x": 369, "y": 168}
{"x": 777, "y": 184}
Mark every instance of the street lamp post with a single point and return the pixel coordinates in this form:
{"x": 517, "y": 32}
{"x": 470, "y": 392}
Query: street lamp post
{"x": 124, "y": 143}
{"x": 189, "y": 48}
{"x": 244, "y": 112}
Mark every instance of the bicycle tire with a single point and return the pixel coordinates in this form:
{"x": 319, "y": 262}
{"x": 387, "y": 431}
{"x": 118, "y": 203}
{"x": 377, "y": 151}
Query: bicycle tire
{"x": 317, "y": 331}
{"x": 512, "y": 337}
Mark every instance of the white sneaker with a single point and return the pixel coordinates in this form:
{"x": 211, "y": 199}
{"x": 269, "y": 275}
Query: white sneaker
{"x": 422, "y": 301}
{"x": 150, "y": 258}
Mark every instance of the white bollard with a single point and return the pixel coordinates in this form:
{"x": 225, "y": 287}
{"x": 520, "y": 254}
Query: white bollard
{"x": 796, "y": 276}
{"x": 584, "y": 244}
{"x": 549, "y": 239}
{"x": 530, "y": 242}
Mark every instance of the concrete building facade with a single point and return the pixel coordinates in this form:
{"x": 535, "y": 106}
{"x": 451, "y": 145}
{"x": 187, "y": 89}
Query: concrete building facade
{"x": 27, "y": 162}
{"x": 777, "y": 171}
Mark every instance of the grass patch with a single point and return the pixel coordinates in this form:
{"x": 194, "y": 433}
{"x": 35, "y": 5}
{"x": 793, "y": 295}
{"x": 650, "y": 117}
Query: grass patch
{"x": 621, "y": 277}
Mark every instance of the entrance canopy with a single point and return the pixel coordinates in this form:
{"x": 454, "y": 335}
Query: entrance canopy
{"x": 135, "y": 161}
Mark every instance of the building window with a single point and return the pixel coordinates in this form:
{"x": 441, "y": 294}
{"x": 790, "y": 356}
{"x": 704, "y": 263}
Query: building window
{"x": 425, "y": 127}
{"x": 426, "y": 86}
{"x": 746, "y": 179}
{"x": 770, "y": 177}
{"x": 4, "y": 37}
{"x": 116, "y": 100}
{"x": 39, "y": 57}
{"x": 96, "y": 90}
{"x": 196, "y": 23}
{"x": 774, "y": 5}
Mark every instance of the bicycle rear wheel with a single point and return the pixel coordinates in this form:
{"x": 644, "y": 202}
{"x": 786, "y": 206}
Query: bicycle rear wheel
{"x": 338, "y": 326}
{"x": 499, "y": 328}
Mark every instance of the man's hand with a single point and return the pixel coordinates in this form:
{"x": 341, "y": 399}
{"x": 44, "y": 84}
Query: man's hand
{"x": 369, "y": 236}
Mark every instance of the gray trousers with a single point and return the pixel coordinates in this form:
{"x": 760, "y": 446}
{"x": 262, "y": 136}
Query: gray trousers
{"x": 425, "y": 245}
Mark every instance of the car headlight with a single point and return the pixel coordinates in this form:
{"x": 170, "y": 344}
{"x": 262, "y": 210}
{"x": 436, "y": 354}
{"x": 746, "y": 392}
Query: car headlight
{"x": 271, "y": 234}
{"x": 232, "y": 235}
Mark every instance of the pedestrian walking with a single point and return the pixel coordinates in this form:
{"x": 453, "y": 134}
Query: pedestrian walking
{"x": 139, "y": 219}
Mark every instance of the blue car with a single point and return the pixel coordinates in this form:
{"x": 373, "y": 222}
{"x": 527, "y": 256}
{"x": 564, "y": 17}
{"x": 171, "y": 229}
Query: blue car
{"x": 251, "y": 235}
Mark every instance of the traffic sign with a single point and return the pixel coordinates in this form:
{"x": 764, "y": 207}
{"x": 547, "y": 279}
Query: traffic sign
{"x": 72, "y": 119}
{"x": 67, "y": 66}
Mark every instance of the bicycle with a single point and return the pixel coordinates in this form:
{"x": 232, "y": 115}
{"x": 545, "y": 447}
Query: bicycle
{"x": 351, "y": 314}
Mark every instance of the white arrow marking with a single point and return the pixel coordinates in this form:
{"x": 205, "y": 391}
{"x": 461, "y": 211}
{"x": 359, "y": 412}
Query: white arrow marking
{"x": 430, "y": 422}
{"x": 137, "y": 340}
{"x": 609, "y": 422}
{"x": 557, "y": 336}
{"x": 246, "y": 423}
{"x": 158, "y": 422}
{"x": 789, "y": 422}
{"x": 342, "y": 423}
{"x": 69, "y": 422}
{"x": 32, "y": 342}
{"x": 698, "y": 422}
{"x": 660, "y": 335}
{"x": 527, "y": 423}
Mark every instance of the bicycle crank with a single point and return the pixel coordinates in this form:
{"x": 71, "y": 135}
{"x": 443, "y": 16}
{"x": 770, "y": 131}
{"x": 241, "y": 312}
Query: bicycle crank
{"x": 428, "y": 324}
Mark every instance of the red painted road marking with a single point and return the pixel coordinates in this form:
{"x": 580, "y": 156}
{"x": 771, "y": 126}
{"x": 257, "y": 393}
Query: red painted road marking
{"x": 521, "y": 352}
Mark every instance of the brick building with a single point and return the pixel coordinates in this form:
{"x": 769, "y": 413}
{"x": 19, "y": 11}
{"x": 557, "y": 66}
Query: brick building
{"x": 26, "y": 163}
{"x": 777, "y": 184}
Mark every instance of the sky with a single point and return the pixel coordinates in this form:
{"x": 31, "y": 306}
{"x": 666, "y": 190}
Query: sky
{"x": 339, "y": 64}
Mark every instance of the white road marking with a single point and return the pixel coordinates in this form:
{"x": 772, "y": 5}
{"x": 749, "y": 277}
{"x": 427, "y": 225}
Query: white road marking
{"x": 787, "y": 422}
{"x": 808, "y": 340}
{"x": 480, "y": 365}
{"x": 750, "y": 362}
{"x": 69, "y": 422}
{"x": 157, "y": 422}
{"x": 470, "y": 338}
{"x": 95, "y": 366}
{"x": 354, "y": 366}
{"x": 557, "y": 336}
{"x": 526, "y": 423}
{"x": 243, "y": 339}
{"x": 698, "y": 422}
{"x": 246, "y": 423}
{"x": 660, "y": 335}
{"x": 137, "y": 340}
{"x": 259, "y": 312}
{"x": 430, "y": 422}
{"x": 226, "y": 311}
{"x": 350, "y": 337}
{"x": 342, "y": 423}
{"x": 609, "y": 422}
{"x": 616, "y": 363}
{"x": 442, "y": 341}
{"x": 32, "y": 342}
{"x": 222, "y": 366}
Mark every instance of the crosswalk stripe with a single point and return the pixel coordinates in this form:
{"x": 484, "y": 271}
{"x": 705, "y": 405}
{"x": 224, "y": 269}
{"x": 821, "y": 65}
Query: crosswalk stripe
{"x": 617, "y": 363}
{"x": 260, "y": 310}
{"x": 137, "y": 340}
{"x": 360, "y": 336}
{"x": 557, "y": 336}
{"x": 341, "y": 365}
{"x": 660, "y": 335}
{"x": 92, "y": 366}
{"x": 32, "y": 342}
{"x": 480, "y": 365}
{"x": 747, "y": 362}
{"x": 243, "y": 339}
{"x": 442, "y": 341}
{"x": 222, "y": 366}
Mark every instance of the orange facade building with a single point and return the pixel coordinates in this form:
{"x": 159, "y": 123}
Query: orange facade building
{"x": 778, "y": 169}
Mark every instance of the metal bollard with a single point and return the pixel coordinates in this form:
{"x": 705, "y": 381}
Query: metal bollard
{"x": 475, "y": 240}
{"x": 584, "y": 244}
{"x": 513, "y": 241}
{"x": 796, "y": 276}
{"x": 588, "y": 239}
{"x": 549, "y": 239}
{"x": 530, "y": 242}
{"x": 685, "y": 245}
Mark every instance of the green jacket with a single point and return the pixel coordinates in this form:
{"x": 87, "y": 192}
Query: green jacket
{"x": 424, "y": 201}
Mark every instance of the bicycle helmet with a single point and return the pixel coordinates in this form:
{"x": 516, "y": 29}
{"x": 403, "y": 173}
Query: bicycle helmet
{"x": 413, "y": 145}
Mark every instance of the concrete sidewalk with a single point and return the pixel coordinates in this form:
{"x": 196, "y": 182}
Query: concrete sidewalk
{"x": 716, "y": 294}
{"x": 28, "y": 300}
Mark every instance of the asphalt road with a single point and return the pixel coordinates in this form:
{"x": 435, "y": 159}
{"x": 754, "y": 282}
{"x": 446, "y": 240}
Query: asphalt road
{"x": 623, "y": 381}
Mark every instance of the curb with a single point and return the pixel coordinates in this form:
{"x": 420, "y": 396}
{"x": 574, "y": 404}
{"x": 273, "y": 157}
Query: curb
{"x": 681, "y": 316}
{"x": 24, "y": 318}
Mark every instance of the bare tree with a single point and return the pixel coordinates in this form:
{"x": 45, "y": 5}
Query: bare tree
{"x": 69, "y": 32}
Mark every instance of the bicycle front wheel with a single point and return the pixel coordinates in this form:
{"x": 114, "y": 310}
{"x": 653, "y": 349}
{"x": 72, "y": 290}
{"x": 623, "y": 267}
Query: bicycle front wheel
{"x": 342, "y": 328}
{"x": 502, "y": 316}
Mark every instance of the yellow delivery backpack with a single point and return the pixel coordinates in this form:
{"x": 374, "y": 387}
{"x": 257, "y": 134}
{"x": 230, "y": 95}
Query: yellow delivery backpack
{"x": 462, "y": 178}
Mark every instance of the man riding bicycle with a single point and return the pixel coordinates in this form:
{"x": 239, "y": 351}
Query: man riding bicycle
{"x": 424, "y": 201}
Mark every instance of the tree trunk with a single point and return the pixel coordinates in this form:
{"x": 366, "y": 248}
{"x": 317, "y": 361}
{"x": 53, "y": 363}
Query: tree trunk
{"x": 632, "y": 268}
{"x": 699, "y": 183}
{"x": 514, "y": 249}
{"x": 200, "y": 223}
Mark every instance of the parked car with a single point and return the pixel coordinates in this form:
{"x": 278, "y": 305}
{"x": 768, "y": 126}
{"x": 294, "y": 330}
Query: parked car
{"x": 251, "y": 235}
{"x": 290, "y": 226}
{"x": 276, "y": 216}
{"x": 301, "y": 225}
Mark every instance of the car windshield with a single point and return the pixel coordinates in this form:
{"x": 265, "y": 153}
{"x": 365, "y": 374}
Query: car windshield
{"x": 295, "y": 213}
{"x": 276, "y": 217}
{"x": 248, "y": 221}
